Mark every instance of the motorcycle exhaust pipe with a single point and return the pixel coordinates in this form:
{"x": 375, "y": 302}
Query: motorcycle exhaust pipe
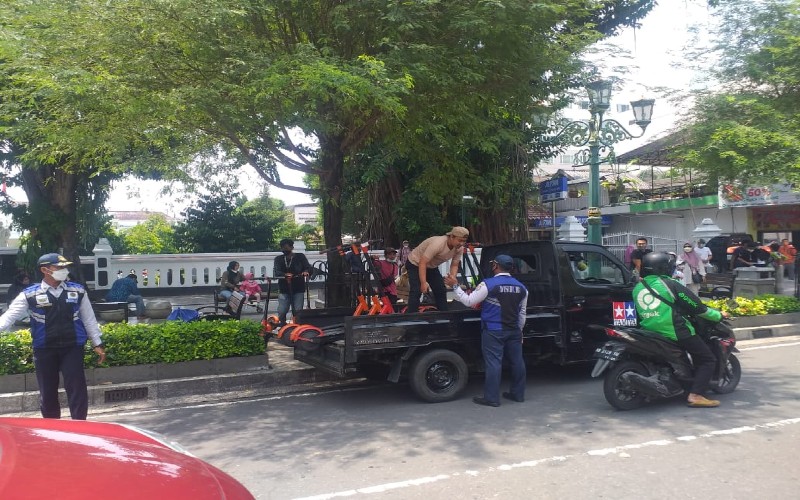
{"x": 647, "y": 385}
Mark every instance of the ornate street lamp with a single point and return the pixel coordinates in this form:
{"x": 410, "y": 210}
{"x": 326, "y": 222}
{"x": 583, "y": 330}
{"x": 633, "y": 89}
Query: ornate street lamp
{"x": 597, "y": 134}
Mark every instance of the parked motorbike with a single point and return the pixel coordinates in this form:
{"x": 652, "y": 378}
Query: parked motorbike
{"x": 641, "y": 366}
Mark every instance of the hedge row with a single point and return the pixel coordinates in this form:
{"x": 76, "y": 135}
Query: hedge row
{"x": 757, "y": 306}
{"x": 167, "y": 342}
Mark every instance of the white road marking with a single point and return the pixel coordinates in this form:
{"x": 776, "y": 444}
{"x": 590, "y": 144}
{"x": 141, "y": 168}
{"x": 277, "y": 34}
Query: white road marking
{"x": 768, "y": 346}
{"x": 534, "y": 463}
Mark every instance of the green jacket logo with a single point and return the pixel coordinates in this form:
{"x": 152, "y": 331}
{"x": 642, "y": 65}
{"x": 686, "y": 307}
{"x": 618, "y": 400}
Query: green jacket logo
{"x": 646, "y": 301}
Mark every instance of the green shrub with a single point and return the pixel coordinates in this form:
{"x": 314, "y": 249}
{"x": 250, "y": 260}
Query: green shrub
{"x": 167, "y": 342}
{"x": 758, "y": 305}
{"x": 16, "y": 352}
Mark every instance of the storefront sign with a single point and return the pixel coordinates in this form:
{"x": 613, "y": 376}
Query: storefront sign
{"x": 731, "y": 195}
{"x": 776, "y": 219}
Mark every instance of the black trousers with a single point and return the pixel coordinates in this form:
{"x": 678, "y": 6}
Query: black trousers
{"x": 702, "y": 359}
{"x": 436, "y": 283}
{"x": 69, "y": 361}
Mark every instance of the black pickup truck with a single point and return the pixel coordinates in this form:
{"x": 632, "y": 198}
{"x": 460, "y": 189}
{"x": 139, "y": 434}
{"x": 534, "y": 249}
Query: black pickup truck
{"x": 571, "y": 285}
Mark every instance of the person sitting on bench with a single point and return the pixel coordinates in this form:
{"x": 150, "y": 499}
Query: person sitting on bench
{"x": 127, "y": 290}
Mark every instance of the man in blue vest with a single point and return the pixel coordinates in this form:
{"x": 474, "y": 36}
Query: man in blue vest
{"x": 62, "y": 320}
{"x": 502, "y": 318}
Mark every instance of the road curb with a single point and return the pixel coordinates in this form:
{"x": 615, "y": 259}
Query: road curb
{"x": 252, "y": 379}
{"x": 244, "y": 378}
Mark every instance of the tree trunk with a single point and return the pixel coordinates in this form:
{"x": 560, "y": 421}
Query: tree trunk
{"x": 331, "y": 175}
{"x": 384, "y": 195}
{"x": 51, "y": 206}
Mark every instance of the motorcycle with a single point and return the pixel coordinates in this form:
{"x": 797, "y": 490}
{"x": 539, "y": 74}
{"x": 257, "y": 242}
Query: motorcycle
{"x": 641, "y": 366}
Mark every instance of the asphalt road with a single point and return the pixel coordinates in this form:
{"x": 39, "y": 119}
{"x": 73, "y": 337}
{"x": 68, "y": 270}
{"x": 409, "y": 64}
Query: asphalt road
{"x": 565, "y": 441}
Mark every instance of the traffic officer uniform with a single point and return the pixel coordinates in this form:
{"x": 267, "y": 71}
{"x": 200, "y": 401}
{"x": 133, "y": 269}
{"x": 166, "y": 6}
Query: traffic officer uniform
{"x": 62, "y": 320}
{"x": 504, "y": 301}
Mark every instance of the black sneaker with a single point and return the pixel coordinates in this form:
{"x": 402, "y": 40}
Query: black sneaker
{"x": 510, "y": 396}
{"x": 485, "y": 402}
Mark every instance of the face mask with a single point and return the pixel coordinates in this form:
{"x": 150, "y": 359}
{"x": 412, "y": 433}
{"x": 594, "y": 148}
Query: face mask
{"x": 60, "y": 274}
{"x": 687, "y": 249}
{"x": 391, "y": 260}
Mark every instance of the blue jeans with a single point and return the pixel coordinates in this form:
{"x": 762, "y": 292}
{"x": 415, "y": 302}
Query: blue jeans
{"x": 495, "y": 344}
{"x": 283, "y": 304}
{"x": 137, "y": 299}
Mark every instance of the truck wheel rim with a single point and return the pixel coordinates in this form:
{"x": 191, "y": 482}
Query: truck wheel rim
{"x": 441, "y": 375}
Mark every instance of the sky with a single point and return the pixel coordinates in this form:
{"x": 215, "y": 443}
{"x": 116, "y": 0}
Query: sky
{"x": 653, "y": 49}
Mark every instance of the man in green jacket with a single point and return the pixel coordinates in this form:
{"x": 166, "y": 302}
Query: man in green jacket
{"x": 670, "y": 318}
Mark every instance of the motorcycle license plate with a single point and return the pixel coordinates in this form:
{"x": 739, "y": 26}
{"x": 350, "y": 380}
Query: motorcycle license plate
{"x": 609, "y": 354}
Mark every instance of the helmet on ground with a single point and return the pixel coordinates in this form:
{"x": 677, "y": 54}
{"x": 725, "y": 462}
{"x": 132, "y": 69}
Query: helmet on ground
{"x": 658, "y": 264}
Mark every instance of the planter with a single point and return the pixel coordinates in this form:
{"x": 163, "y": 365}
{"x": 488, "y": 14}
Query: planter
{"x": 145, "y": 373}
{"x": 768, "y": 320}
{"x": 111, "y": 316}
{"x": 157, "y": 309}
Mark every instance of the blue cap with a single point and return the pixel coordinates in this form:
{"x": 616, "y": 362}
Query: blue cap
{"x": 504, "y": 261}
{"x": 53, "y": 259}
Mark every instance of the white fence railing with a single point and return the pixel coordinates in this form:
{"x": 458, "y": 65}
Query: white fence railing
{"x": 182, "y": 271}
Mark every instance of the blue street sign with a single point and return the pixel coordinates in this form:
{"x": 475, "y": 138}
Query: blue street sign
{"x": 547, "y": 222}
{"x": 553, "y": 189}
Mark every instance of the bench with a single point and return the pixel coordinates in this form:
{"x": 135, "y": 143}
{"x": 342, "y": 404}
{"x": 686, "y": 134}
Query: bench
{"x": 231, "y": 310}
{"x": 103, "y": 310}
{"x": 717, "y": 286}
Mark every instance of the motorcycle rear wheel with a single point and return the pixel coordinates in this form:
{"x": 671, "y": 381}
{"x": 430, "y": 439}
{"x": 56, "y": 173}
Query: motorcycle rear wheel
{"x": 730, "y": 377}
{"x": 619, "y": 393}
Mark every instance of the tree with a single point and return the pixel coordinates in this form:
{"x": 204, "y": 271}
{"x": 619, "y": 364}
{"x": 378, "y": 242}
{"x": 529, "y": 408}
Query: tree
{"x": 154, "y": 236}
{"x": 747, "y": 130}
{"x": 62, "y": 135}
{"x": 427, "y": 80}
{"x": 430, "y": 75}
{"x": 223, "y": 221}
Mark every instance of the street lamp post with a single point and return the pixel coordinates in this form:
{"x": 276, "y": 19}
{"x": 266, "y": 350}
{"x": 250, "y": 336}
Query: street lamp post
{"x": 598, "y": 134}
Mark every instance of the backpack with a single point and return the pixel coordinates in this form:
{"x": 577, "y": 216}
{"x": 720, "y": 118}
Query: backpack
{"x": 180, "y": 314}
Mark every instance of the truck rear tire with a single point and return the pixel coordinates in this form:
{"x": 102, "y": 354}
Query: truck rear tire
{"x": 439, "y": 375}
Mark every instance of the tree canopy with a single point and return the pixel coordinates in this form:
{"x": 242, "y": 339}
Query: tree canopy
{"x": 223, "y": 221}
{"x": 747, "y": 128}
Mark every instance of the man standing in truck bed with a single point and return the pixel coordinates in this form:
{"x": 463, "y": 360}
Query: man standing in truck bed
{"x": 423, "y": 266}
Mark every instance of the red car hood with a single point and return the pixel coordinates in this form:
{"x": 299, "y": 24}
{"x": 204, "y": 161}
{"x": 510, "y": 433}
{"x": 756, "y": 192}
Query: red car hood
{"x": 65, "y": 459}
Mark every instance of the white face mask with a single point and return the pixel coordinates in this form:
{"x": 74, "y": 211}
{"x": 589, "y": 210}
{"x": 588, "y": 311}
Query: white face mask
{"x": 391, "y": 260}
{"x": 60, "y": 274}
{"x": 687, "y": 250}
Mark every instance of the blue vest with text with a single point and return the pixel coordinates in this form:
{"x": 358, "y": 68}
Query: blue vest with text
{"x": 500, "y": 310}
{"x": 55, "y": 322}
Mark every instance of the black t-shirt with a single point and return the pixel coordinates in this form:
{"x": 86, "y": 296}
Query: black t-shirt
{"x": 296, "y": 263}
{"x": 637, "y": 254}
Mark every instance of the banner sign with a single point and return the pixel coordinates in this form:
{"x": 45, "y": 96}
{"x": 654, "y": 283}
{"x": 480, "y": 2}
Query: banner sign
{"x": 553, "y": 189}
{"x": 731, "y": 195}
